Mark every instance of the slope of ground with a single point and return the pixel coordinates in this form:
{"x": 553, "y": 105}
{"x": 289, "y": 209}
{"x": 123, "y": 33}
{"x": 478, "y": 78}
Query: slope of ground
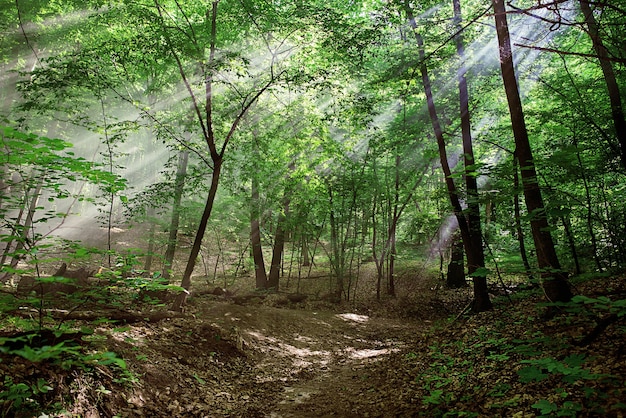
{"x": 264, "y": 357}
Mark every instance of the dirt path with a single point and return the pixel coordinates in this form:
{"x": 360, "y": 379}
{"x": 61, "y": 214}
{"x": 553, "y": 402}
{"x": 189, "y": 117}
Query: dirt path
{"x": 319, "y": 360}
{"x": 343, "y": 385}
{"x": 260, "y": 361}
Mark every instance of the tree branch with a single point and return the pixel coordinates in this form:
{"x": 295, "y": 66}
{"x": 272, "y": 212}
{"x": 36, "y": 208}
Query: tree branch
{"x": 578, "y": 54}
{"x": 183, "y": 74}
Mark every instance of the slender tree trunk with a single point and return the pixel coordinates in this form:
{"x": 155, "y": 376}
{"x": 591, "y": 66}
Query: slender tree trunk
{"x": 281, "y": 235}
{"x": 5, "y": 186}
{"x": 204, "y": 114}
{"x": 306, "y": 258}
{"x": 260, "y": 273}
{"x": 180, "y": 300}
{"x": 179, "y": 185}
{"x": 391, "y": 240}
{"x": 8, "y": 245}
{"x": 555, "y": 282}
{"x": 481, "y": 299}
{"x": 151, "y": 234}
{"x": 589, "y": 217}
{"x": 336, "y": 249}
{"x": 475, "y": 246}
{"x": 279, "y": 246}
{"x": 456, "y": 267}
{"x": 23, "y": 230}
{"x": 567, "y": 225}
{"x": 617, "y": 111}
{"x": 518, "y": 222}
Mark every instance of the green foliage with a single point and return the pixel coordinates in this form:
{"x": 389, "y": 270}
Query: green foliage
{"x": 601, "y": 304}
{"x": 35, "y": 347}
{"x": 65, "y": 354}
{"x": 20, "y": 397}
{"x": 551, "y": 409}
{"x": 50, "y": 158}
{"x": 569, "y": 369}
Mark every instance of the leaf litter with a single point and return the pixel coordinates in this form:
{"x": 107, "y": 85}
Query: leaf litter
{"x": 401, "y": 358}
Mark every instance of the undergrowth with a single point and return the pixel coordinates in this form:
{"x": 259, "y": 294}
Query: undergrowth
{"x": 507, "y": 362}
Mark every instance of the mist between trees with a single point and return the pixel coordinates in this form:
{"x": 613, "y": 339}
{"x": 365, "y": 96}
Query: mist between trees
{"x": 345, "y": 132}
{"x": 176, "y": 147}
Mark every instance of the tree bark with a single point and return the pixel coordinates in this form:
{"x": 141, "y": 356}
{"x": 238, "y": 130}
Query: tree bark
{"x": 481, "y": 299}
{"x": 477, "y": 259}
{"x": 567, "y": 225}
{"x": 589, "y": 217}
{"x": 151, "y": 234}
{"x": 22, "y": 230}
{"x": 179, "y": 184}
{"x": 337, "y": 249}
{"x": 255, "y": 238}
{"x": 455, "y": 277}
{"x": 273, "y": 279}
{"x": 204, "y": 115}
{"x": 518, "y": 222}
{"x": 555, "y": 283}
{"x": 181, "y": 298}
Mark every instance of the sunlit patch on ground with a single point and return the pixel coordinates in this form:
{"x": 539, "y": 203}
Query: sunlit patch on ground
{"x": 368, "y": 353}
{"x": 135, "y": 335}
{"x": 354, "y": 317}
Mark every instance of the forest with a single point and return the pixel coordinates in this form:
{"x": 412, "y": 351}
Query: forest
{"x": 306, "y": 208}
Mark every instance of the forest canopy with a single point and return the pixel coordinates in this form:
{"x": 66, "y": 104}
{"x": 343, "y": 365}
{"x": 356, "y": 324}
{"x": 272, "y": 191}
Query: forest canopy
{"x": 375, "y": 127}
{"x": 165, "y": 145}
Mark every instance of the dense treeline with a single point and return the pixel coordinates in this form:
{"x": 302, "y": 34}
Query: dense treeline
{"x": 348, "y": 132}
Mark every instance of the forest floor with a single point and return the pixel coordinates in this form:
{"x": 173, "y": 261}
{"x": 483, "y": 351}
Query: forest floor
{"x": 269, "y": 357}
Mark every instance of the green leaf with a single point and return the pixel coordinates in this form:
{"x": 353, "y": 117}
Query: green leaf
{"x": 574, "y": 360}
{"x": 531, "y": 374}
{"x": 545, "y": 407}
{"x": 199, "y": 379}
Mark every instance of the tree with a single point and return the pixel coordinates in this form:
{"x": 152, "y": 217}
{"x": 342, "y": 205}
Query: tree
{"x": 477, "y": 269}
{"x": 615, "y": 99}
{"x": 179, "y": 184}
{"x": 481, "y": 297}
{"x": 260, "y": 273}
{"x": 555, "y": 282}
{"x": 204, "y": 111}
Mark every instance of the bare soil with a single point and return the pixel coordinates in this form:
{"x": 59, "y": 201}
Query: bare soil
{"x": 270, "y": 357}
{"x": 232, "y": 360}
{"x": 236, "y": 355}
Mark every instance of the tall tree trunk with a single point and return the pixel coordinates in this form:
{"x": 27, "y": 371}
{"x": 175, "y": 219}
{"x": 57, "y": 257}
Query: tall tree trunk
{"x": 179, "y": 185}
{"x": 518, "y": 221}
{"x": 279, "y": 247}
{"x": 305, "y": 256}
{"x": 589, "y": 217}
{"x": 204, "y": 114}
{"x": 456, "y": 267}
{"x": 180, "y": 300}
{"x": 391, "y": 287}
{"x": 617, "y": 111}
{"x": 281, "y": 235}
{"x": 555, "y": 282}
{"x": 337, "y": 250}
{"x": 481, "y": 300}
{"x": 260, "y": 273}
{"x": 151, "y": 234}
{"x": 391, "y": 239}
{"x": 476, "y": 262}
{"x": 567, "y": 225}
